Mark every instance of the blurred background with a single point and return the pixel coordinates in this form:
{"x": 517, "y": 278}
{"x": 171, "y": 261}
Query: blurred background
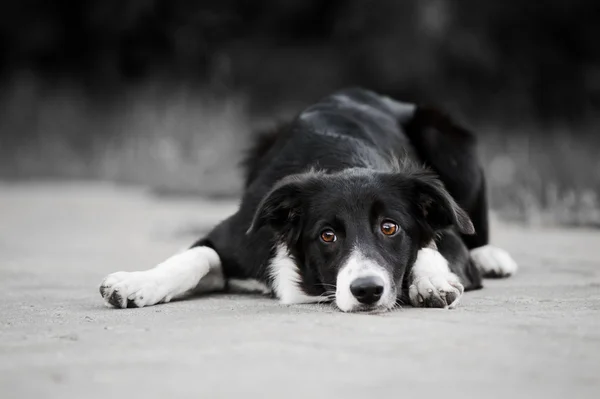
{"x": 166, "y": 94}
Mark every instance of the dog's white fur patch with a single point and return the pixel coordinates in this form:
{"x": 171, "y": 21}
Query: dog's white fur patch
{"x": 494, "y": 261}
{"x": 358, "y": 265}
{"x": 286, "y": 279}
{"x": 248, "y": 285}
{"x": 431, "y": 276}
{"x": 173, "y": 278}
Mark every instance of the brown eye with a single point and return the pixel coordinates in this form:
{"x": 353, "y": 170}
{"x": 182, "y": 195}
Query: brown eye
{"x": 389, "y": 228}
{"x": 328, "y": 236}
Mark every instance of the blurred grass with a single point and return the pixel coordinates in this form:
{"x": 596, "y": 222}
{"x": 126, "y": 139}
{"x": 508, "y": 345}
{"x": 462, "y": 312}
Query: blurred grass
{"x": 545, "y": 176}
{"x": 172, "y": 138}
{"x": 181, "y": 140}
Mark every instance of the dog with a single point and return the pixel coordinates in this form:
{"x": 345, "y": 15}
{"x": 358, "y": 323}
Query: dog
{"x": 361, "y": 200}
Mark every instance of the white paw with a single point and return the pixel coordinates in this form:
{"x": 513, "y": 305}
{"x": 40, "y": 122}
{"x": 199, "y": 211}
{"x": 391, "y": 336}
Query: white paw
{"x": 494, "y": 261}
{"x": 432, "y": 283}
{"x": 174, "y": 277}
{"x": 132, "y": 289}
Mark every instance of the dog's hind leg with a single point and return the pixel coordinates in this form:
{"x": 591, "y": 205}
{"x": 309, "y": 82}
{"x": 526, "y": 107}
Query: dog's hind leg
{"x": 451, "y": 151}
{"x": 490, "y": 260}
{"x": 198, "y": 268}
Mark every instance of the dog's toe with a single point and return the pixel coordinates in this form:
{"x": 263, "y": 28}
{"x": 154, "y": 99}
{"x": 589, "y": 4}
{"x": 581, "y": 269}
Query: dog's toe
{"x": 433, "y": 285}
{"x": 130, "y": 290}
{"x": 117, "y": 299}
{"x": 435, "y": 292}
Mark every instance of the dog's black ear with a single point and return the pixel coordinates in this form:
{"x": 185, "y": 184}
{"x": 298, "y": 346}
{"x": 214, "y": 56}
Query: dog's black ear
{"x": 282, "y": 207}
{"x": 437, "y": 206}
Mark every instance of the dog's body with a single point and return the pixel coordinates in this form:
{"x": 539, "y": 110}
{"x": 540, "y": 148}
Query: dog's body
{"x": 338, "y": 205}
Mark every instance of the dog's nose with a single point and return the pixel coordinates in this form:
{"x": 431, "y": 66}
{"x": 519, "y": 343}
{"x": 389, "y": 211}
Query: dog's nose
{"x": 367, "y": 290}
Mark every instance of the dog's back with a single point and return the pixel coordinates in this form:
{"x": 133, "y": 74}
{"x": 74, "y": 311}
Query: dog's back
{"x": 358, "y": 128}
{"x": 350, "y": 128}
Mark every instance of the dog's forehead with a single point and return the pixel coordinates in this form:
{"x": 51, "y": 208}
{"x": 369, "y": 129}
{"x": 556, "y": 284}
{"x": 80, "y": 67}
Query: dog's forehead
{"x": 354, "y": 193}
{"x": 346, "y": 190}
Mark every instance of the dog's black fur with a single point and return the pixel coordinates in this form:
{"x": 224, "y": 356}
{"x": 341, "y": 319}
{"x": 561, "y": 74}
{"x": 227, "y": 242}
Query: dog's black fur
{"x": 346, "y": 163}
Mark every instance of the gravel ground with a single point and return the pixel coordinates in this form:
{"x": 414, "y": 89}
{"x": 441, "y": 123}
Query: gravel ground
{"x": 537, "y": 334}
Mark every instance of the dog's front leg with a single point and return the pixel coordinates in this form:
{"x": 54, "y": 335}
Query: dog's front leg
{"x": 173, "y": 278}
{"x": 431, "y": 283}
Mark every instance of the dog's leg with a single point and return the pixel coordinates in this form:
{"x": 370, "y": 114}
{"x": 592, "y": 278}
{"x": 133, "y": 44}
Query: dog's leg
{"x": 173, "y": 278}
{"x": 491, "y": 261}
{"x": 453, "y": 249}
{"x": 431, "y": 283}
{"x": 450, "y": 150}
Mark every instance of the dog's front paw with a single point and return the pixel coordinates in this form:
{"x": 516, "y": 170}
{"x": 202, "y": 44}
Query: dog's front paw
{"x": 436, "y": 291}
{"x": 132, "y": 289}
{"x": 432, "y": 284}
{"x": 494, "y": 261}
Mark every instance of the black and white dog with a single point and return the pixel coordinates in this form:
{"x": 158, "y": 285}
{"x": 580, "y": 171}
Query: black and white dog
{"x": 360, "y": 200}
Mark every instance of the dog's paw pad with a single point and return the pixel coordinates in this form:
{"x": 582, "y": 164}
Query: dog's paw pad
{"x": 130, "y": 290}
{"x": 494, "y": 261}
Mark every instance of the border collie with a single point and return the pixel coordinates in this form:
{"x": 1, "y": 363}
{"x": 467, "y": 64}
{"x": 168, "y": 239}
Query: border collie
{"x": 361, "y": 200}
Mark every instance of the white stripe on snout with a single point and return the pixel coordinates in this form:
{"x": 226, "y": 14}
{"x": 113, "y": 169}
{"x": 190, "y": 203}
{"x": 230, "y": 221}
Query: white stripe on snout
{"x": 358, "y": 265}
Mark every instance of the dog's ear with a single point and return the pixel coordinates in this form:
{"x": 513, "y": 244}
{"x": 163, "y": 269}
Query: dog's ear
{"x": 436, "y": 205}
{"x": 282, "y": 207}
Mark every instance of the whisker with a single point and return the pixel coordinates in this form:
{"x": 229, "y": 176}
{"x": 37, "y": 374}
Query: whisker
{"x": 397, "y": 305}
{"x": 335, "y": 306}
{"x": 327, "y": 285}
{"x": 327, "y": 296}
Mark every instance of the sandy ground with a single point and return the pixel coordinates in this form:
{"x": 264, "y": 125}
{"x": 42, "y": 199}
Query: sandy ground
{"x": 537, "y": 334}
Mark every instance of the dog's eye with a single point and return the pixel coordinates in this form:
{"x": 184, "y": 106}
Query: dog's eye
{"x": 328, "y": 236}
{"x": 389, "y": 228}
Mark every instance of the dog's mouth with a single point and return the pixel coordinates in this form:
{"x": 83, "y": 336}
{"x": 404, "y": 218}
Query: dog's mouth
{"x": 359, "y": 308}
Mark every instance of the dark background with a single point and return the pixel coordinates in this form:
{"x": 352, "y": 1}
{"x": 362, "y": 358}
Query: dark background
{"x": 167, "y": 93}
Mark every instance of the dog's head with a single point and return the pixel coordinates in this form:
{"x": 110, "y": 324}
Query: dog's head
{"x": 354, "y": 233}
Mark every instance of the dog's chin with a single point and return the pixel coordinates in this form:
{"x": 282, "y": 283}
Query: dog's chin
{"x": 368, "y": 309}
